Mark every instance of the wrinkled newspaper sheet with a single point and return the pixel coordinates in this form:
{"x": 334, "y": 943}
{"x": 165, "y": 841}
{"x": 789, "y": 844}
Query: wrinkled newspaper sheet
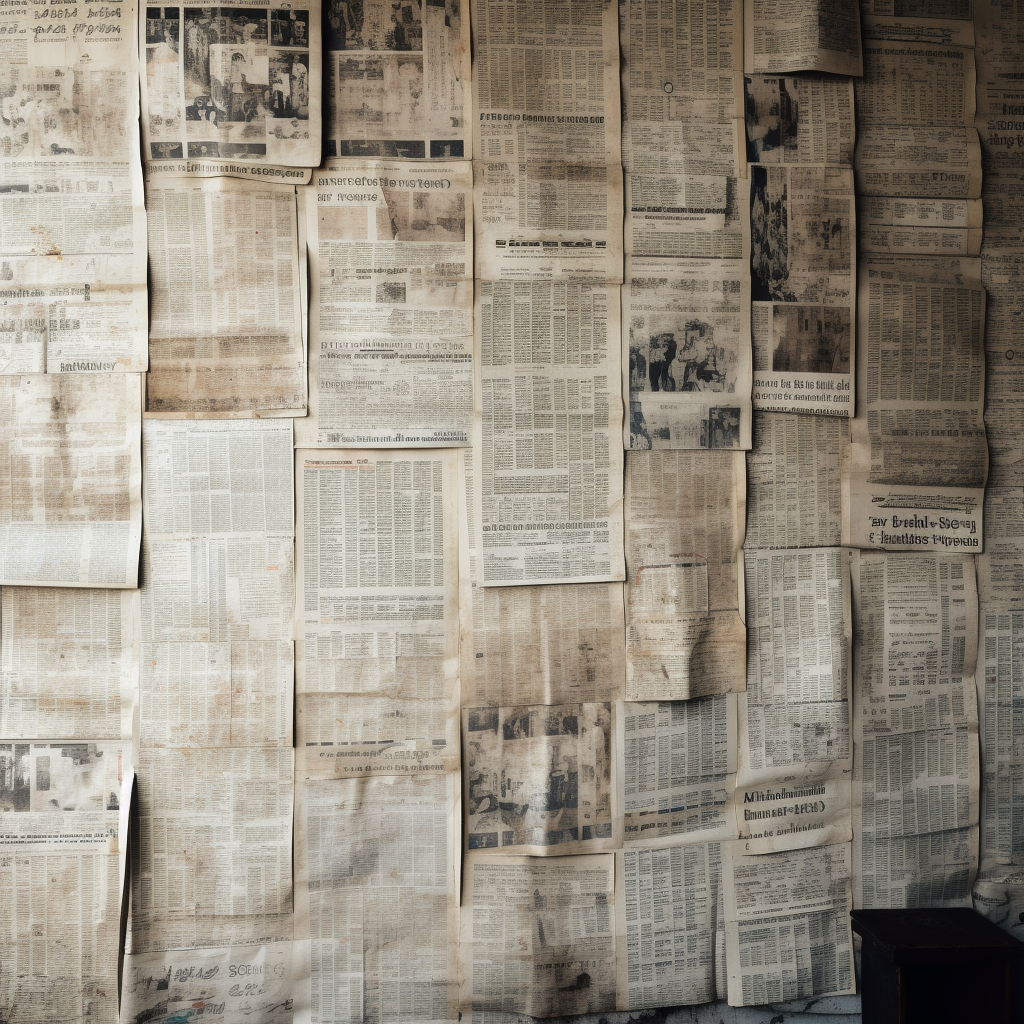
{"x": 1000, "y": 883}
{"x": 787, "y": 923}
{"x": 794, "y": 481}
{"x": 232, "y": 90}
{"x": 917, "y": 139}
{"x": 686, "y": 362}
{"x": 546, "y": 150}
{"x": 677, "y": 770}
{"x": 70, "y": 461}
{"x": 73, "y": 249}
{"x": 398, "y": 79}
{"x": 999, "y": 890}
{"x": 548, "y": 459}
{"x": 237, "y": 982}
{"x": 377, "y": 625}
{"x": 213, "y": 852}
{"x": 682, "y": 86}
{"x": 69, "y": 662}
{"x": 538, "y": 934}
{"x": 919, "y": 458}
{"x": 922, "y": 85}
{"x": 541, "y": 644}
{"x": 793, "y": 785}
{"x": 63, "y": 840}
{"x": 811, "y": 35}
{"x": 667, "y": 906}
{"x": 684, "y": 620}
{"x": 226, "y": 337}
{"x": 931, "y": 21}
{"x": 686, "y": 359}
{"x": 916, "y": 775}
{"x": 391, "y": 340}
{"x": 376, "y": 899}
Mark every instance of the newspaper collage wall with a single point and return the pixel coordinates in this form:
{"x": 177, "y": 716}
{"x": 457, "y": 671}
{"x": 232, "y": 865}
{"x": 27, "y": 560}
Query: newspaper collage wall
{"x": 511, "y": 509}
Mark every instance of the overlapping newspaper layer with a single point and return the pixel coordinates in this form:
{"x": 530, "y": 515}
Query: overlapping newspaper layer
{"x": 391, "y": 255}
{"x": 398, "y": 79}
{"x": 73, "y": 247}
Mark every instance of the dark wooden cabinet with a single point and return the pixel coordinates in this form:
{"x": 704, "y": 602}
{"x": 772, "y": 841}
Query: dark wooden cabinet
{"x": 938, "y": 967}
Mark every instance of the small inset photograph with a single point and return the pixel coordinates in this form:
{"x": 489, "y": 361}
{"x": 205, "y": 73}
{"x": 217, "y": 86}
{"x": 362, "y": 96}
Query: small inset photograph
{"x": 447, "y": 147}
{"x": 289, "y": 85}
{"x": 163, "y": 27}
{"x": 199, "y": 150}
{"x": 289, "y": 28}
{"x": 422, "y": 216}
{"x": 723, "y": 427}
{"x": 374, "y": 25}
{"x": 391, "y": 293}
{"x": 772, "y": 120}
{"x": 166, "y": 150}
{"x": 811, "y": 339}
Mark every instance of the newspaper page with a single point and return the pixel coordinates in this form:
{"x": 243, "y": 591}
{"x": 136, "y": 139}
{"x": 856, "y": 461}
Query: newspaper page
{"x": 999, "y": 890}
{"x": 219, "y": 532}
{"x": 376, "y": 905}
{"x": 538, "y": 934}
{"x": 376, "y": 627}
{"x": 1000, "y": 122}
{"x": 539, "y": 779}
{"x": 684, "y": 622}
{"x": 918, "y": 162}
{"x": 939, "y": 227}
{"x": 69, "y": 662}
{"x": 814, "y": 36}
{"x": 803, "y": 287}
{"x": 534, "y": 645}
{"x": 793, "y": 785}
{"x": 547, "y": 151}
{"x": 934, "y": 21}
{"x": 391, "y": 353}
{"x": 1002, "y": 274}
{"x": 73, "y": 248}
{"x": 212, "y": 861}
{"x": 919, "y": 458}
{"x": 666, "y": 913}
{"x": 70, "y": 465}
{"x": 927, "y": 85}
{"x": 678, "y": 770}
{"x": 686, "y": 358}
{"x": 225, "y": 333}
{"x": 212, "y": 865}
{"x": 682, "y": 86}
{"x": 787, "y": 924}
{"x": 61, "y": 847}
{"x": 237, "y": 982}
{"x": 917, "y": 83}
{"x": 548, "y": 452}
{"x": 398, "y": 79}
{"x": 1000, "y": 42}
{"x": 1000, "y": 688}
{"x": 805, "y": 120}
{"x": 676, "y": 216}
{"x": 916, "y": 780}
{"x": 794, "y": 481}
{"x": 542, "y": 645}
{"x": 233, "y": 90}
